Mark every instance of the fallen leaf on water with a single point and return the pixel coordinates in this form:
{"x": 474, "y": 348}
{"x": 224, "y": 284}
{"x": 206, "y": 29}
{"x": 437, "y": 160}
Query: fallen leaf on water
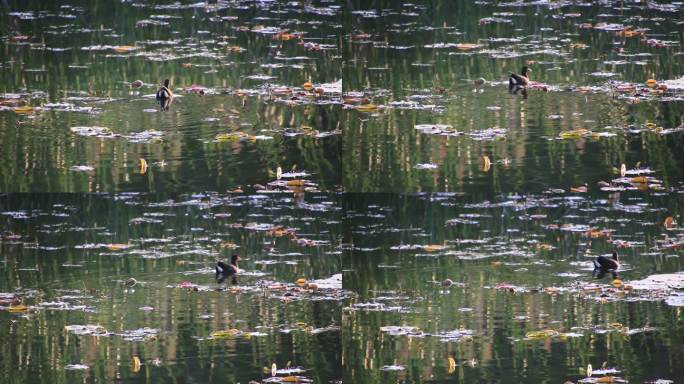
{"x": 143, "y": 166}
{"x": 117, "y": 247}
{"x": 486, "y": 163}
{"x": 452, "y": 365}
{"x": 274, "y": 369}
{"x": 296, "y": 183}
{"x": 367, "y": 108}
{"x": 433, "y": 248}
{"x": 25, "y": 109}
{"x": 580, "y": 189}
{"x": 124, "y": 48}
{"x": 669, "y": 222}
{"x": 467, "y": 46}
{"x": 226, "y": 333}
{"x": 534, "y": 335}
{"x": 136, "y": 364}
{"x": 575, "y": 133}
{"x": 17, "y": 308}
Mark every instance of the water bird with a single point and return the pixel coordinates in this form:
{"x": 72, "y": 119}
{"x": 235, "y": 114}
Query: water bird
{"x": 603, "y": 264}
{"x": 224, "y": 270}
{"x": 137, "y": 84}
{"x": 164, "y": 95}
{"x": 519, "y": 82}
{"x": 479, "y": 82}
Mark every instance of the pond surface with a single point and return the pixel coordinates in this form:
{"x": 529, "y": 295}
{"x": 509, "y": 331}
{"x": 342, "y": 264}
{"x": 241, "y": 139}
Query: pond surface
{"x": 521, "y": 303}
{"x": 426, "y": 90}
{"x": 109, "y": 288}
{"x": 401, "y": 215}
{"x": 70, "y": 120}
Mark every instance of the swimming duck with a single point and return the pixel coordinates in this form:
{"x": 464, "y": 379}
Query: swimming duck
{"x": 164, "y": 95}
{"x": 607, "y": 264}
{"x": 519, "y": 82}
{"x": 224, "y": 270}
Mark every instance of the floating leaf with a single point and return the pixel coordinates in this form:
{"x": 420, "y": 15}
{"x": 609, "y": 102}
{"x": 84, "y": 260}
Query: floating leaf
{"x": 224, "y": 334}
{"x": 669, "y": 222}
{"x": 17, "y": 308}
{"x": 575, "y": 133}
{"x": 486, "y": 163}
{"x": 124, "y": 48}
{"x": 136, "y": 364}
{"x": 452, "y": 364}
{"x": 23, "y": 110}
{"x": 367, "y": 108}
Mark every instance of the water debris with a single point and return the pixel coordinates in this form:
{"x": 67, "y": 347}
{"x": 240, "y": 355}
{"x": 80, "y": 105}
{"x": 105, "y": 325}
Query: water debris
{"x": 76, "y": 367}
{"x": 392, "y": 368}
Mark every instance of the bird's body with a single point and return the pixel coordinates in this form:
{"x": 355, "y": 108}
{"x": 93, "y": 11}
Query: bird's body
{"x": 603, "y": 264}
{"x": 224, "y": 270}
{"x": 518, "y": 82}
{"x": 165, "y": 95}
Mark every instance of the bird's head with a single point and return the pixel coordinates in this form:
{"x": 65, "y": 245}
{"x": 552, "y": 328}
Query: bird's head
{"x": 615, "y": 256}
{"x": 234, "y": 258}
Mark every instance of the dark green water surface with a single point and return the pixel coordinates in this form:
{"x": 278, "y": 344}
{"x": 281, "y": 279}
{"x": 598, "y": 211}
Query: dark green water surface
{"x": 73, "y": 63}
{"x": 69, "y": 258}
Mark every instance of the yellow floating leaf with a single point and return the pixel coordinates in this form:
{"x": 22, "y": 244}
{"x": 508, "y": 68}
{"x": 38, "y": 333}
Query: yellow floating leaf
{"x": 136, "y": 364}
{"x": 639, "y": 179}
{"x": 615, "y": 325}
{"x": 308, "y": 86}
{"x": 651, "y": 82}
{"x": 452, "y": 365}
{"x": 367, "y": 108}
{"x": 301, "y": 281}
{"x": 605, "y": 379}
{"x": 546, "y": 333}
{"x": 232, "y": 136}
{"x": 486, "y": 163}
{"x": 226, "y": 333}
{"x": 290, "y": 379}
{"x": 617, "y": 283}
{"x": 296, "y": 183}
{"x": 116, "y": 247}
{"x": 24, "y": 109}
{"x": 575, "y": 133}
{"x": 312, "y": 286}
{"x": 143, "y": 166}
{"x": 124, "y": 48}
{"x": 17, "y": 308}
